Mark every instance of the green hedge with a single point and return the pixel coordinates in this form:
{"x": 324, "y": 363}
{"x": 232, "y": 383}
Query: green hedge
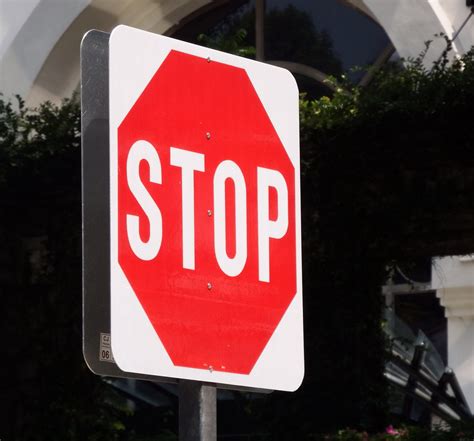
{"x": 387, "y": 173}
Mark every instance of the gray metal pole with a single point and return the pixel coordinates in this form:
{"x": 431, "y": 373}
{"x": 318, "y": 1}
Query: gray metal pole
{"x": 197, "y": 411}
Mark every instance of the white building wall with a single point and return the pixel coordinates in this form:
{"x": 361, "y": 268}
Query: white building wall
{"x": 457, "y": 15}
{"x": 453, "y": 278}
{"x": 40, "y": 58}
{"x": 12, "y": 18}
{"x": 33, "y": 29}
{"x": 461, "y": 354}
{"x": 411, "y": 23}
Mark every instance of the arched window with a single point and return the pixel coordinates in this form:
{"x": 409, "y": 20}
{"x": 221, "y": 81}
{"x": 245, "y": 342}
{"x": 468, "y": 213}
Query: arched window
{"x": 313, "y": 40}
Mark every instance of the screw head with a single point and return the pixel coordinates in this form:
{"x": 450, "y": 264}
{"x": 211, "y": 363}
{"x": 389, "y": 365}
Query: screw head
{"x": 209, "y": 285}
{"x": 209, "y": 212}
{"x": 208, "y": 135}
{"x": 208, "y": 59}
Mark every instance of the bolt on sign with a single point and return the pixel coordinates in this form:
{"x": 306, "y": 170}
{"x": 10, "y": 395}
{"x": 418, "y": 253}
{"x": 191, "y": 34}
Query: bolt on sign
{"x": 205, "y": 242}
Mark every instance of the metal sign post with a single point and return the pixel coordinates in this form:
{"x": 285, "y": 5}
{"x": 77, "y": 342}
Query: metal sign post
{"x": 197, "y": 411}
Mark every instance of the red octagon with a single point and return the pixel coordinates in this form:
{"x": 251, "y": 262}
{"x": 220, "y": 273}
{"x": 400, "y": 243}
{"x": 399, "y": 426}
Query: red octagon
{"x": 224, "y": 328}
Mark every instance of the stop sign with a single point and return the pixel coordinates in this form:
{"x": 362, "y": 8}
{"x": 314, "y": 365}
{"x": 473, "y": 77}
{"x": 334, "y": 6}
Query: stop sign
{"x": 205, "y": 222}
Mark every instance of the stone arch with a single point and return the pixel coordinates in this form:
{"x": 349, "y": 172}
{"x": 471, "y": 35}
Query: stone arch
{"x": 56, "y": 72}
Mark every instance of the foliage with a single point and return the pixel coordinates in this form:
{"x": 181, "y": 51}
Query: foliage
{"x": 301, "y": 42}
{"x": 391, "y": 150}
{"x": 385, "y": 176}
{"x": 234, "y": 34}
{"x": 233, "y": 44}
{"x": 461, "y": 431}
{"x": 49, "y": 392}
{"x": 411, "y": 89}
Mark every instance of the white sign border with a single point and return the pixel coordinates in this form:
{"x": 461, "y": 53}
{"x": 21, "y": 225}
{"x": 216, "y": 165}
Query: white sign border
{"x": 135, "y": 55}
